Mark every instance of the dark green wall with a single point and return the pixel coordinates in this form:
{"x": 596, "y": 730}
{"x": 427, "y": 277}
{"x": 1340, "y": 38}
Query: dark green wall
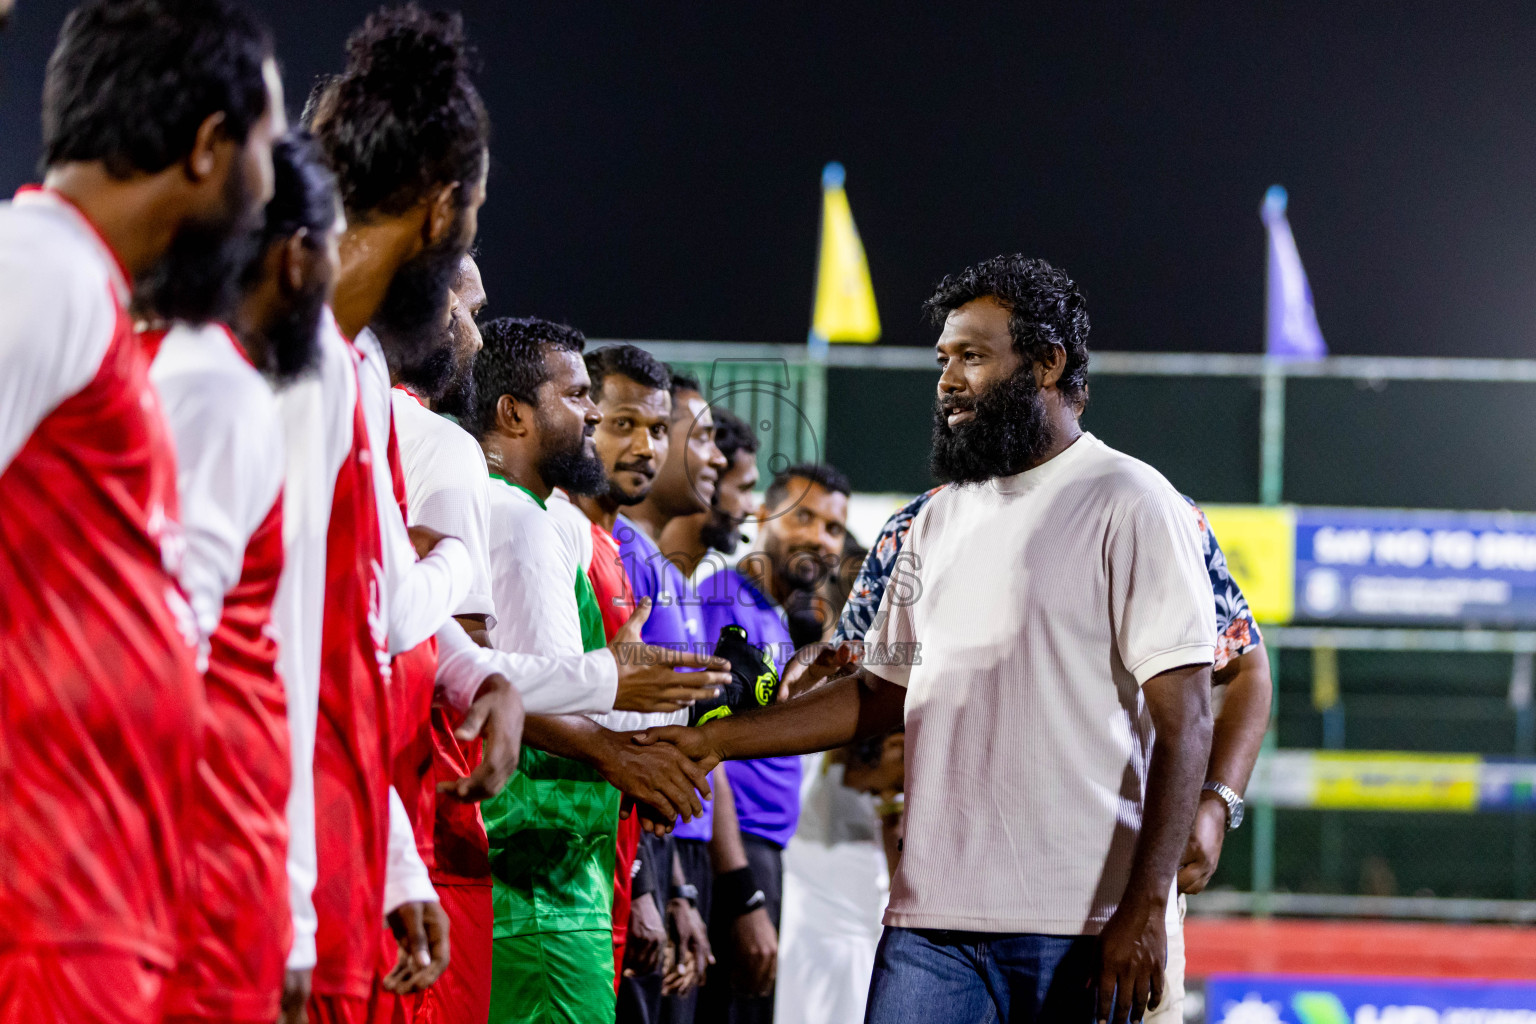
{"x": 1414, "y": 444}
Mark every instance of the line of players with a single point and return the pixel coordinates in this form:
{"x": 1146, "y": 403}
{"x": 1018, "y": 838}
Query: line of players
{"x": 246, "y": 706}
{"x": 260, "y": 734}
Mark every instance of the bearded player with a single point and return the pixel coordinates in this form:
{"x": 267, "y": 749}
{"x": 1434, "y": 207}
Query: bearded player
{"x": 447, "y": 488}
{"x": 552, "y": 831}
{"x": 380, "y": 600}
{"x": 217, "y": 390}
{"x": 158, "y": 121}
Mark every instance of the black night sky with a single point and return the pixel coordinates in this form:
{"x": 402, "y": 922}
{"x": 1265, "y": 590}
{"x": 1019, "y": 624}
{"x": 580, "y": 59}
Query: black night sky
{"x": 656, "y": 166}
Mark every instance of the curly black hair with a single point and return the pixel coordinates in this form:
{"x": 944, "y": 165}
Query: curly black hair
{"x": 682, "y": 380}
{"x": 1044, "y": 305}
{"x": 404, "y": 117}
{"x": 733, "y": 434}
{"x": 829, "y": 477}
{"x": 131, "y": 81}
{"x": 511, "y": 362}
{"x": 627, "y": 361}
{"x": 303, "y": 190}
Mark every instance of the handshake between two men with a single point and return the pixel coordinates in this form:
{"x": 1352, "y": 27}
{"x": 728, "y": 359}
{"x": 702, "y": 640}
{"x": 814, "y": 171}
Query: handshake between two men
{"x": 657, "y": 688}
{"x": 697, "y": 747}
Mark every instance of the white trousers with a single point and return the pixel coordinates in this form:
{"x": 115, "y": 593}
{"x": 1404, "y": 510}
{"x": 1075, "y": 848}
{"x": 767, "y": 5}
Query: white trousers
{"x": 834, "y": 897}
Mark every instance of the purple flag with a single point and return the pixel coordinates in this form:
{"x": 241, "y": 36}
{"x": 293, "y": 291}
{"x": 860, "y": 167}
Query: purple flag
{"x": 1290, "y": 325}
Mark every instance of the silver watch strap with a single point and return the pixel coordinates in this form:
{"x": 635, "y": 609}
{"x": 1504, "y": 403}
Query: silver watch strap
{"x": 1229, "y": 797}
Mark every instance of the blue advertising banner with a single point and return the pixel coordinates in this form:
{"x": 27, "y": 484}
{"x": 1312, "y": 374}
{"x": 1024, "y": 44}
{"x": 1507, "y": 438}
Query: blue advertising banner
{"x": 1405, "y": 566}
{"x": 1278, "y": 1000}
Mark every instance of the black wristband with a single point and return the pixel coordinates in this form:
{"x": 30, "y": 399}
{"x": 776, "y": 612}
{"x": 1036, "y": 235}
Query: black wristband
{"x": 686, "y": 891}
{"x": 737, "y": 893}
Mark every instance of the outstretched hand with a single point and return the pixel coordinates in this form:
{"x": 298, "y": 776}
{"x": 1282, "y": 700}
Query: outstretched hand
{"x": 496, "y": 716}
{"x": 805, "y": 670}
{"x": 659, "y": 776}
{"x": 649, "y": 676}
{"x": 692, "y": 742}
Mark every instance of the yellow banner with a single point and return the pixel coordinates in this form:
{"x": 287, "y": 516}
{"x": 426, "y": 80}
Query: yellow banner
{"x": 1260, "y": 545}
{"x": 1395, "y": 782}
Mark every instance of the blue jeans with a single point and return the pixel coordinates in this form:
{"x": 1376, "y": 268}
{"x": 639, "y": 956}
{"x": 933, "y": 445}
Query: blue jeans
{"x": 934, "y": 977}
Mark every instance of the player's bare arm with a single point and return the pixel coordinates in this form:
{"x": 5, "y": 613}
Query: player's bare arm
{"x": 1135, "y": 939}
{"x": 1236, "y": 738}
{"x": 496, "y": 717}
{"x": 833, "y": 715}
{"x": 661, "y": 777}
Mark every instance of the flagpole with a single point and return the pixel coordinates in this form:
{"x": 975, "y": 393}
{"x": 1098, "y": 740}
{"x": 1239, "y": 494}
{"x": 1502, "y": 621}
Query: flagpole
{"x": 1271, "y": 470}
{"x": 816, "y": 343}
{"x": 1272, "y": 402}
{"x": 813, "y": 389}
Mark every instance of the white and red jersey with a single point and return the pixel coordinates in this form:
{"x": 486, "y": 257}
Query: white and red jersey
{"x": 351, "y": 748}
{"x": 442, "y": 477}
{"x": 421, "y": 594}
{"x": 235, "y": 926}
{"x": 421, "y": 598}
{"x": 446, "y": 484}
{"x": 318, "y": 413}
{"x": 445, "y": 476}
{"x": 378, "y": 601}
{"x": 96, "y": 755}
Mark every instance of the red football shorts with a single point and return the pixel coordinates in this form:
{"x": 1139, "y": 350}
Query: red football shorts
{"x": 389, "y": 1007}
{"x": 463, "y": 993}
{"x": 44, "y": 986}
{"x": 340, "y": 1009}
{"x": 623, "y": 886}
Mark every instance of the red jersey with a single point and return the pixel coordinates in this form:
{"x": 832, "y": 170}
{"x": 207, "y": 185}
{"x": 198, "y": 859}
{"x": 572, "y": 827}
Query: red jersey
{"x": 380, "y": 601}
{"x": 443, "y": 474}
{"x": 415, "y": 676}
{"x": 96, "y": 746}
{"x": 235, "y": 927}
{"x": 615, "y": 594}
{"x": 352, "y": 734}
{"x": 616, "y": 597}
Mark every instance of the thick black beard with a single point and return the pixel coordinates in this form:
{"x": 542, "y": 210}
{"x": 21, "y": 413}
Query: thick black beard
{"x": 439, "y": 373}
{"x": 293, "y": 340}
{"x": 574, "y": 471}
{"x": 622, "y": 498}
{"x": 412, "y": 321}
{"x": 197, "y": 280}
{"x": 720, "y": 532}
{"x": 460, "y": 396}
{"x": 1006, "y": 435}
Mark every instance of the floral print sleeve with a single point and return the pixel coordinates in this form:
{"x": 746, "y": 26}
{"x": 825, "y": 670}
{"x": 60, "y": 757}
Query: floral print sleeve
{"x": 1236, "y": 631}
{"x": 869, "y": 586}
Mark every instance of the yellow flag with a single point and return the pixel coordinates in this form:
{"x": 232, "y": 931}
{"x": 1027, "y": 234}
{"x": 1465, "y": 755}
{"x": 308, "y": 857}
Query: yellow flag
{"x": 845, "y": 299}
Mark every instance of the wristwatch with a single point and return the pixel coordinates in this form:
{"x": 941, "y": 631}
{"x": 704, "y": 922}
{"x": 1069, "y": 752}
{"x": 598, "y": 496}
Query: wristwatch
{"x": 1230, "y": 798}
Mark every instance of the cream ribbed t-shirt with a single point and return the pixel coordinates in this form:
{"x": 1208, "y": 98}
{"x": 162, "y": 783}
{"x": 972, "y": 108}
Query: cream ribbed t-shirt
{"x": 1039, "y": 604}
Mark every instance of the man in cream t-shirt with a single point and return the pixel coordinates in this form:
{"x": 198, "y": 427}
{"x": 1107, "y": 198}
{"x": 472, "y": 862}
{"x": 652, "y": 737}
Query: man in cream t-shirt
{"x": 1056, "y": 613}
